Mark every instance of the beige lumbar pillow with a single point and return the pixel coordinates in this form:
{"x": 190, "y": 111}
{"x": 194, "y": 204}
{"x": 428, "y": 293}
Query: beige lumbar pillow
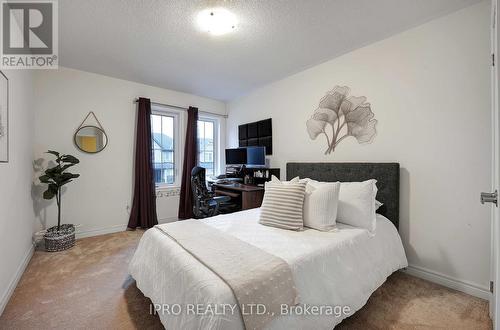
{"x": 283, "y": 202}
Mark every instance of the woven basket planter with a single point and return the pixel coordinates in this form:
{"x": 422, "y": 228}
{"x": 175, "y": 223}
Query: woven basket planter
{"x": 59, "y": 240}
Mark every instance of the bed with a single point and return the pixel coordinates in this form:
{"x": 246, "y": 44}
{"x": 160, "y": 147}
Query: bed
{"x": 334, "y": 271}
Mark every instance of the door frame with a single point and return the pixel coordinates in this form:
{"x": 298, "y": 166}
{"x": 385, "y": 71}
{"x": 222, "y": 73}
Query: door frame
{"x": 495, "y": 126}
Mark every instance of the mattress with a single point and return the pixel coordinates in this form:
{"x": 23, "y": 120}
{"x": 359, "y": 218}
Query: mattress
{"x": 334, "y": 272}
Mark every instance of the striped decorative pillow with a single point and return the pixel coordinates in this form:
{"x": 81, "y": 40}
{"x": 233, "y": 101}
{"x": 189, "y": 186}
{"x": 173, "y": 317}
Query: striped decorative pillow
{"x": 283, "y": 205}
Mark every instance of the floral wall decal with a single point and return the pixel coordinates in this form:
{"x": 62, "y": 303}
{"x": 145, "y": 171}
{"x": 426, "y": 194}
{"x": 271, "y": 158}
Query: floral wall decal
{"x": 339, "y": 116}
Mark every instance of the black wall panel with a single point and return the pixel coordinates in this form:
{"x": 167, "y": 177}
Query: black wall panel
{"x": 258, "y": 133}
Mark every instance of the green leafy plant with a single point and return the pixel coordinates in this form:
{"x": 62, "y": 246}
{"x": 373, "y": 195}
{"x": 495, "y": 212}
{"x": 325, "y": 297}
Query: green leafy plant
{"x": 56, "y": 177}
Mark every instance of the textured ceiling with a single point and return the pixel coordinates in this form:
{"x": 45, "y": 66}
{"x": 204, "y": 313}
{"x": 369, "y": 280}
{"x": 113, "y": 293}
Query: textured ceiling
{"x": 156, "y": 42}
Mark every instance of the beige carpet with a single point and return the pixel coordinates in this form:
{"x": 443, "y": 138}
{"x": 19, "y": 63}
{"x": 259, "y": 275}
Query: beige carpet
{"x": 88, "y": 287}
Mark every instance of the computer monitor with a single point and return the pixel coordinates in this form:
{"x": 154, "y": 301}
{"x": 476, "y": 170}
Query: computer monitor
{"x": 236, "y": 156}
{"x": 256, "y": 156}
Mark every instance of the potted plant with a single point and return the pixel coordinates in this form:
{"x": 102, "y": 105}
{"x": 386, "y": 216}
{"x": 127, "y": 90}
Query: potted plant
{"x": 60, "y": 237}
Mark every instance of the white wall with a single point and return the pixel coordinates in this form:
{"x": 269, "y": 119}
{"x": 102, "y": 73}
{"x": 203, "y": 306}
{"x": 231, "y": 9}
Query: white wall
{"x": 16, "y": 208}
{"x": 429, "y": 88}
{"x": 98, "y": 200}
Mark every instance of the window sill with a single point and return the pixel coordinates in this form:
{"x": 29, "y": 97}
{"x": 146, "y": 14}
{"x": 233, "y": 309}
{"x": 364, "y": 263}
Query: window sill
{"x": 167, "y": 187}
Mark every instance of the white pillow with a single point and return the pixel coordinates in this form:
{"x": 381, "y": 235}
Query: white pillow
{"x": 357, "y": 204}
{"x": 320, "y": 205}
{"x": 276, "y": 180}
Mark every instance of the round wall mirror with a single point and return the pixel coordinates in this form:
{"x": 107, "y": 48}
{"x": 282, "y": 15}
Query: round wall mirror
{"x": 91, "y": 139}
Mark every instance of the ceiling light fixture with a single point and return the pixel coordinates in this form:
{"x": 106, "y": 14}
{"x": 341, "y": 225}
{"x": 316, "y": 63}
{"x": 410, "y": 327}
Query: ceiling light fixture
{"x": 216, "y": 21}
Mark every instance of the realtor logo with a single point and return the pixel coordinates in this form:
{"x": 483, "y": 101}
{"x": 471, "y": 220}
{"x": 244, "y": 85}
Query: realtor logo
{"x": 29, "y": 35}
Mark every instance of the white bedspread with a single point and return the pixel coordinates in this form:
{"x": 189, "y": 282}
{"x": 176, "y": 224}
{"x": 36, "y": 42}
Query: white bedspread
{"x": 330, "y": 269}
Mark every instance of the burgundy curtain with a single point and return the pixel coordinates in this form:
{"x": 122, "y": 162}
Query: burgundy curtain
{"x": 143, "y": 213}
{"x": 190, "y": 161}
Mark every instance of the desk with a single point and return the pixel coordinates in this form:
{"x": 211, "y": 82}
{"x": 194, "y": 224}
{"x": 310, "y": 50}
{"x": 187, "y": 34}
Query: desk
{"x": 251, "y": 196}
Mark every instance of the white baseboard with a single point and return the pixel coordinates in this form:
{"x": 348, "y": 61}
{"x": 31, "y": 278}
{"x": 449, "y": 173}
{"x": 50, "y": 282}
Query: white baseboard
{"x": 112, "y": 229}
{"x": 100, "y": 231}
{"x": 449, "y": 282}
{"x": 17, "y": 276}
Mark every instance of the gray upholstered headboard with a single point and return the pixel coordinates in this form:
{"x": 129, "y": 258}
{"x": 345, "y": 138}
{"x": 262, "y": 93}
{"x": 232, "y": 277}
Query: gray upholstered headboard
{"x": 386, "y": 174}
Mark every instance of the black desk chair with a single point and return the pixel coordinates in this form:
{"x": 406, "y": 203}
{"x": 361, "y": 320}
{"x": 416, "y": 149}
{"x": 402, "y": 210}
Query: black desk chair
{"x": 205, "y": 204}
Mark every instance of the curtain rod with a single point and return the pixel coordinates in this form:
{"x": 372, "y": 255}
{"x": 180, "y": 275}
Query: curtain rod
{"x": 184, "y": 108}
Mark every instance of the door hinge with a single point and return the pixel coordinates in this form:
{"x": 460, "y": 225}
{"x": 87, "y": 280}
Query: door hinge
{"x": 491, "y": 286}
{"x": 492, "y": 59}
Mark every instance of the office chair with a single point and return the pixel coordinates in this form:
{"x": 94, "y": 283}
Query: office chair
{"x": 205, "y": 204}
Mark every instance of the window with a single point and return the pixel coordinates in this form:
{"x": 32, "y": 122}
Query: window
{"x": 168, "y": 147}
{"x": 207, "y": 145}
{"x": 164, "y": 126}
